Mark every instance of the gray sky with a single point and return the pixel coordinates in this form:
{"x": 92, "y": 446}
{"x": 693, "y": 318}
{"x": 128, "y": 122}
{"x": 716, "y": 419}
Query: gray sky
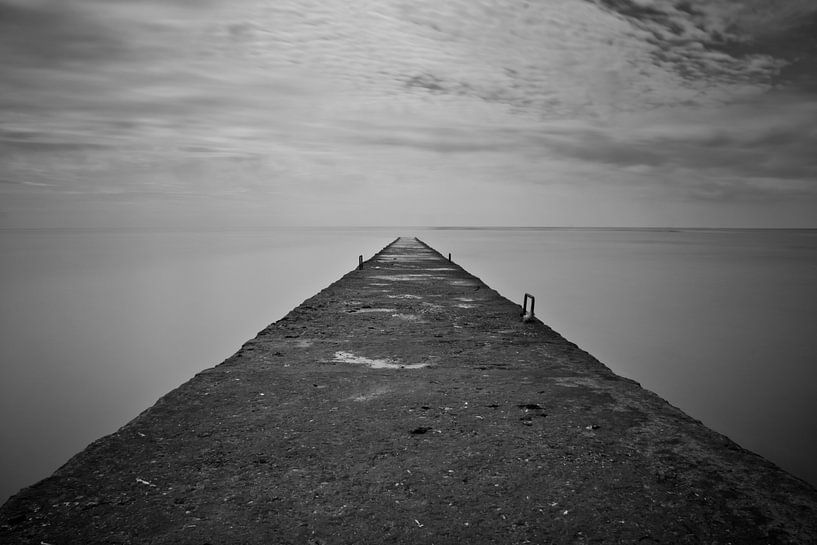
{"x": 408, "y": 112}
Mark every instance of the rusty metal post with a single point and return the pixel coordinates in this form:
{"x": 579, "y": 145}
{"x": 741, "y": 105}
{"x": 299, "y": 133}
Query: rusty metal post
{"x": 449, "y": 256}
{"x": 527, "y": 316}
{"x": 360, "y": 262}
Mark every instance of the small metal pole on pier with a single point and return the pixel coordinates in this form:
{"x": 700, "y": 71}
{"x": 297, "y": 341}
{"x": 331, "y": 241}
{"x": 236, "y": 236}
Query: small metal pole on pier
{"x": 527, "y": 316}
{"x": 449, "y": 256}
{"x": 360, "y": 262}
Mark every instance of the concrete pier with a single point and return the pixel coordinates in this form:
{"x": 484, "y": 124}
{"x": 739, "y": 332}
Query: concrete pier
{"x": 410, "y": 403}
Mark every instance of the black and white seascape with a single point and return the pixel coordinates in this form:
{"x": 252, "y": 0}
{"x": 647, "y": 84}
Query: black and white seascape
{"x": 175, "y": 175}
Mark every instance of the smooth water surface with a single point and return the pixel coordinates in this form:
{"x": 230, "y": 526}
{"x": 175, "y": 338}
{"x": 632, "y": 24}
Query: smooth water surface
{"x": 95, "y": 326}
{"x": 721, "y": 323}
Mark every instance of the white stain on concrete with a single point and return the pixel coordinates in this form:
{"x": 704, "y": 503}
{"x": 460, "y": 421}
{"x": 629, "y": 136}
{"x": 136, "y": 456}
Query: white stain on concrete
{"x": 375, "y": 393}
{"x": 384, "y": 363}
{"x": 407, "y": 277}
{"x": 407, "y": 317}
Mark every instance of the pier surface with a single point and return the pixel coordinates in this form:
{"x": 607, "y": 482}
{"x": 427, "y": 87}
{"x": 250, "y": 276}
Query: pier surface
{"x": 409, "y": 403}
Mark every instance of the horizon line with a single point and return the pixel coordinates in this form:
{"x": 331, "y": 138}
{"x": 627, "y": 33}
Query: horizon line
{"x": 402, "y": 227}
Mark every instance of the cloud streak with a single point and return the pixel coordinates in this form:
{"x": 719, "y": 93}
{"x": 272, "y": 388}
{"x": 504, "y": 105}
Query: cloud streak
{"x": 311, "y": 107}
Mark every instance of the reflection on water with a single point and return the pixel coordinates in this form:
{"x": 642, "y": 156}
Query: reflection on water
{"x": 96, "y": 325}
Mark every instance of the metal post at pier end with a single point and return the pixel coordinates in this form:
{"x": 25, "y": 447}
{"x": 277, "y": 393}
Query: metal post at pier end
{"x": 360, "y": 262}
{"x": 528, "y": 316}
{"x": 449, "y": 256}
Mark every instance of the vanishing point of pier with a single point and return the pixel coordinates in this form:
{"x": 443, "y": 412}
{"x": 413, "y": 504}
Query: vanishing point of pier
{"x": 409, "y": 403}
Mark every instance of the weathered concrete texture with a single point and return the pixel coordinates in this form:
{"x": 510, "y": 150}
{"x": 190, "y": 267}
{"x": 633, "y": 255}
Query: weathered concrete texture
{"x": 408, "y": 403}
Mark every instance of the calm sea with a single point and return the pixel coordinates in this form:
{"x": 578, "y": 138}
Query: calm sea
{"x": 97, "y": 325}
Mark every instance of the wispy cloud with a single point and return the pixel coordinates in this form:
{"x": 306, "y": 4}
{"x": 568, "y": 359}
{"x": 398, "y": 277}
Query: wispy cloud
{"x": 315, "y": 108}
{"x": 728, "y": 41}
{"x": 54, "y": 34}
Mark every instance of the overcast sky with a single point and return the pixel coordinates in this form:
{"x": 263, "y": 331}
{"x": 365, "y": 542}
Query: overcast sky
{"x": 219, "y": 113}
